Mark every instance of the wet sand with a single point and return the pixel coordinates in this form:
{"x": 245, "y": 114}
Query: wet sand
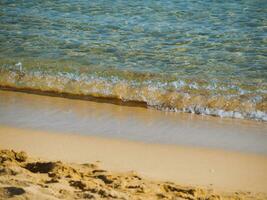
{"x": 132, "y": 123}
{"x": 220, "y": 170}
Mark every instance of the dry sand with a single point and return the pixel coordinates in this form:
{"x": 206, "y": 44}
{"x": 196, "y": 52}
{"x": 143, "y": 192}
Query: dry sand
{"x": 218, "y": 172}
{"x": 28, "y": 178}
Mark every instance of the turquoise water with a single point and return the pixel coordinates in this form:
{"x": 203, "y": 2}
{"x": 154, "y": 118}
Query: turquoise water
{"x": 206, "y": 57}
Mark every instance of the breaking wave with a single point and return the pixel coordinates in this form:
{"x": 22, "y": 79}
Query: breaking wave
{"x": 161, "y": 91}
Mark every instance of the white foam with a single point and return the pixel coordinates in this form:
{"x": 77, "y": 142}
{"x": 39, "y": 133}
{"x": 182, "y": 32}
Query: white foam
{"x": 19, "y": 65}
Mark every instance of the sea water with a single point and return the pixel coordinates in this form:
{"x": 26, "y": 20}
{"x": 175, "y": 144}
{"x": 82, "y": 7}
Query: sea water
{"x": 205, "y": 57}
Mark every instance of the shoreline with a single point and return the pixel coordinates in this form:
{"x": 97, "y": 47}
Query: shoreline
{"x": 217, "y": 106}
{"x": 107, "y": 120}
{"x": 222, "y": 170}
{"x": 110, "y": 100}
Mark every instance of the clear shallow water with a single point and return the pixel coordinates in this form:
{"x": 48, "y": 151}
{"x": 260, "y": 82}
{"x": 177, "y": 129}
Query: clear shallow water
{"x": 206, "y": 57}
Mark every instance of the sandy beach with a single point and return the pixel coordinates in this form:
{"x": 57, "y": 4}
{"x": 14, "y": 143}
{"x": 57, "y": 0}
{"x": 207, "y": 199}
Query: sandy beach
{"x": 27, "y": 178}
{"x": 222, "y": 172}
{"x": 133, "y": 100}
{"x": 75, "y": 116}
{"x": 198, "y": 157}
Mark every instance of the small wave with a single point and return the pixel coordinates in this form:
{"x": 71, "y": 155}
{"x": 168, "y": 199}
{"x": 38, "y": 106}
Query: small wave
{"x": 192, "y": 96}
